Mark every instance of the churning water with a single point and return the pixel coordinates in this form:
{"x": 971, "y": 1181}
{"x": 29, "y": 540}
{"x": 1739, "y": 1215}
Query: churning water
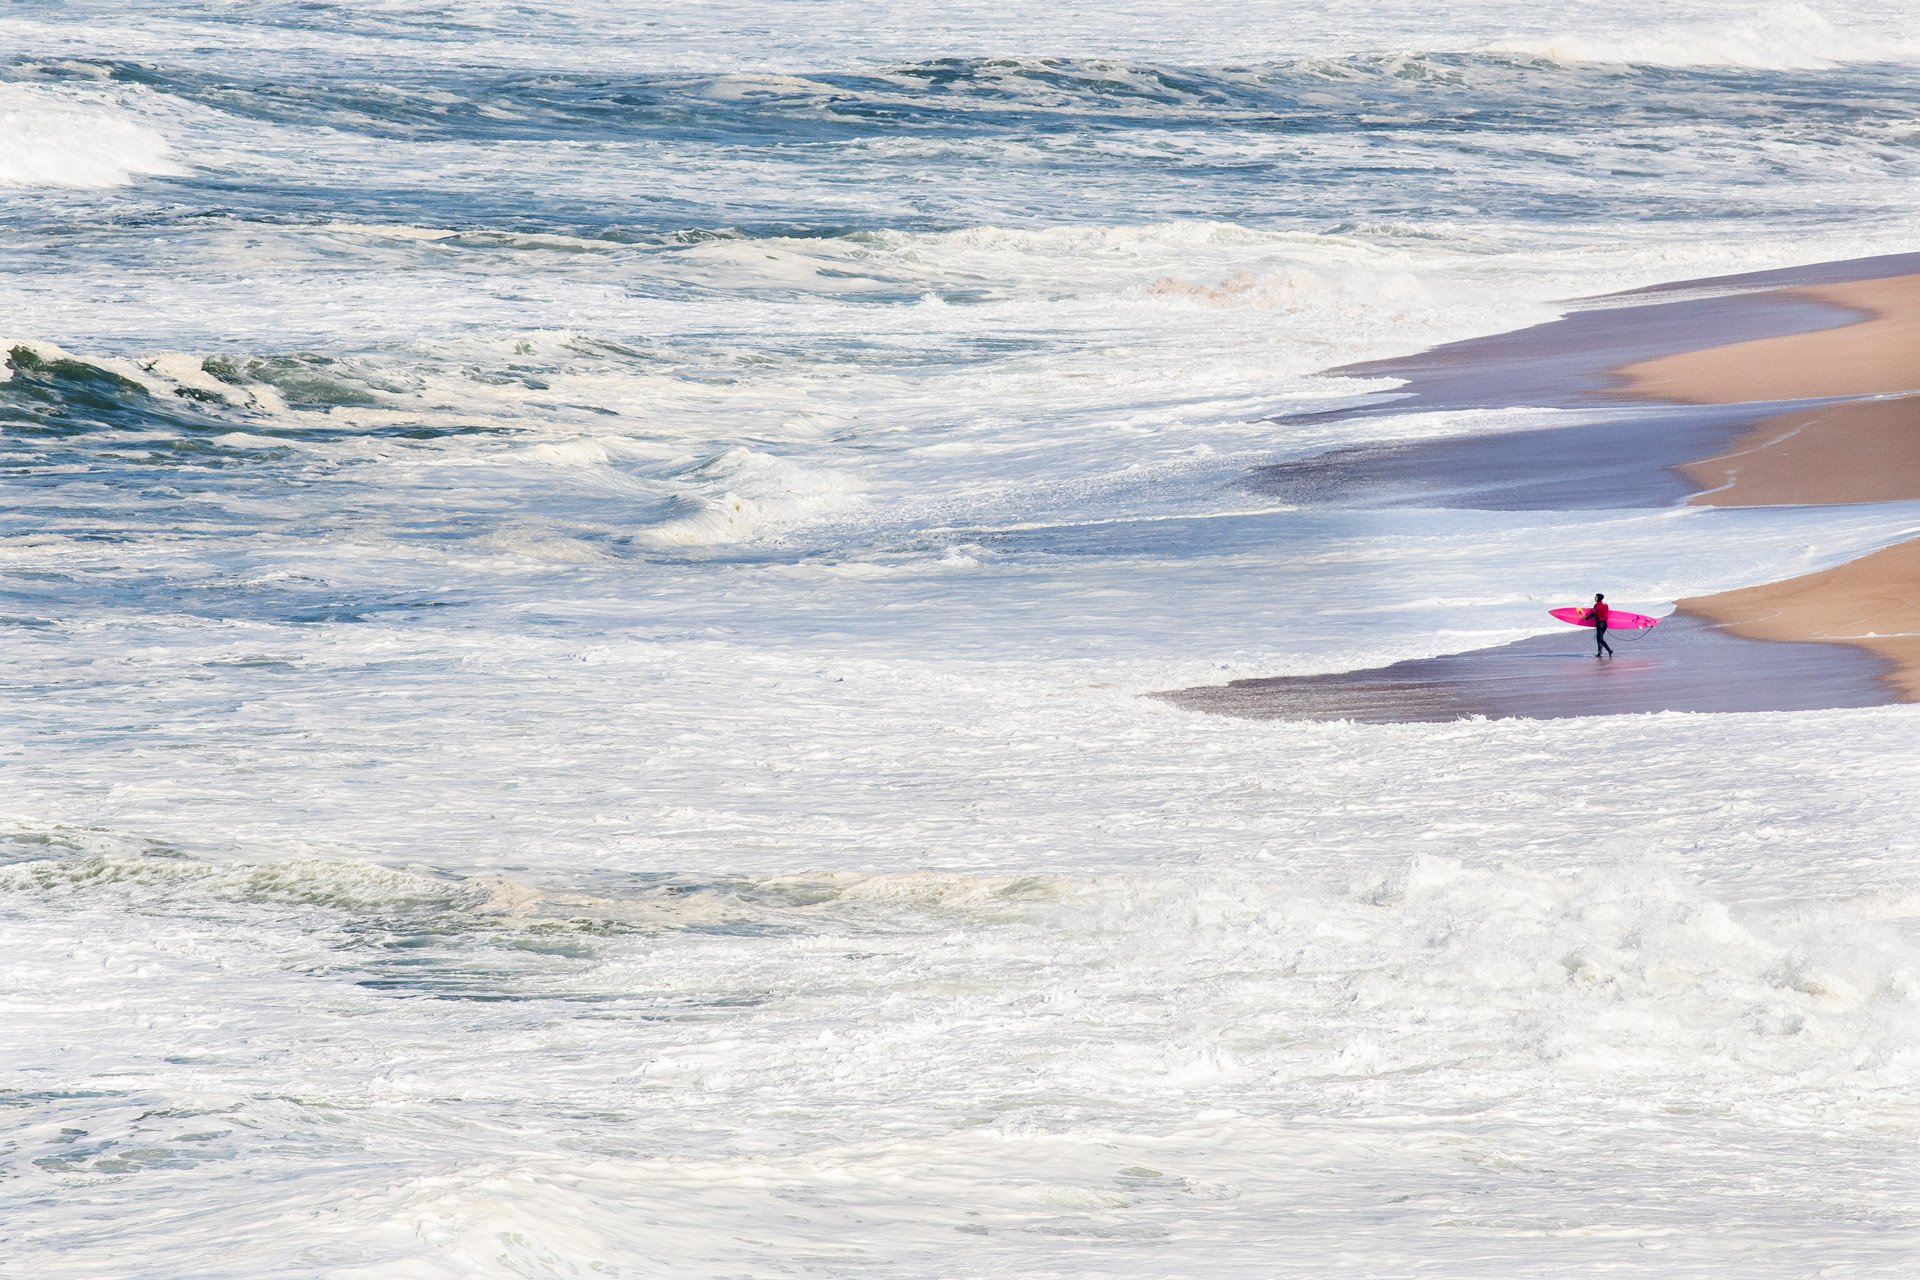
{"x": 576, "y": 582}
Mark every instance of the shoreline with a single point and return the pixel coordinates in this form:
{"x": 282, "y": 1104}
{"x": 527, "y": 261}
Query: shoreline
{"x": 1807, "y": 392}
{"x": 1861, "y": 444}
{"x": 1689, "y": 663}
{"x": 1878, "y": 353}
{"x": 1834, "y": 453}
{"x": 1871, "y": 603}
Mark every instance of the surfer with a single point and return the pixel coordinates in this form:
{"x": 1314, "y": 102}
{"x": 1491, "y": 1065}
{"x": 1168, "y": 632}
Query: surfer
{"x": 1599, "y": 615}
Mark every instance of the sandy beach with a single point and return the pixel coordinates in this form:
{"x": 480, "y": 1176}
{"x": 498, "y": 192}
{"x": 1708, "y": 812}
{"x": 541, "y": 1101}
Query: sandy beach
{"x": 1877, "y": 354}
{"x": 1855, "y": 450}
{"x": 1852, "y": 451}
{"x": 1844, "y": 338}
{"x": 1872, "y": 603}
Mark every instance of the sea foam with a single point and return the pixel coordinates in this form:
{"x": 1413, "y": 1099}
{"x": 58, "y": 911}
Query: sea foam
{"x": 1785, "y": 37}
{"x": 54, "y": 139}
{"x": 578, "y": 589}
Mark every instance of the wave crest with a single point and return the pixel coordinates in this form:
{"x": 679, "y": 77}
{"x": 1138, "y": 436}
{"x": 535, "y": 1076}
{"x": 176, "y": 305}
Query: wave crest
{"x": 741, "y": 494}
{"x": 48, "y": 139}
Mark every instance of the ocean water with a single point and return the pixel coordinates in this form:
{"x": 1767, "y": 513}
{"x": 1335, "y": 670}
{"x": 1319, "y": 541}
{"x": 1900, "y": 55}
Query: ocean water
{"x": 577, "y": 584}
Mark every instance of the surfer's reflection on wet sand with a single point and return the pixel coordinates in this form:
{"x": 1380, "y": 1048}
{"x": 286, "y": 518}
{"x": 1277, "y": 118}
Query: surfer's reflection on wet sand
{"x": 1696, "y": 666}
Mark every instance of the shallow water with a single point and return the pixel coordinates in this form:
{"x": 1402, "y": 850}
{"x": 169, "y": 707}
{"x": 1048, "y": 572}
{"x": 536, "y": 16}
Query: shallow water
{"x": 1696, "y": 667}
{"x": 577, "y": 586}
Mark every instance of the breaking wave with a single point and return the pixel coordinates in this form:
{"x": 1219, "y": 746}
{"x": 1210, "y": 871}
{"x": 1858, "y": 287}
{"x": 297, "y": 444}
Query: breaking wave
{"x": 48, "y": 139}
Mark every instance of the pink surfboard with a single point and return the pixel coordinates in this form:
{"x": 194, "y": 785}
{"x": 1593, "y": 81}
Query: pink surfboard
{"x": 1617, "y": 619}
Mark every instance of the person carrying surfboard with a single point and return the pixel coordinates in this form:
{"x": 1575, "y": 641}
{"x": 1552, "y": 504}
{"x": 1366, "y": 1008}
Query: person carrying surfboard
{"x": 1599, "y": 615}
{"x": 1604, "y": 619}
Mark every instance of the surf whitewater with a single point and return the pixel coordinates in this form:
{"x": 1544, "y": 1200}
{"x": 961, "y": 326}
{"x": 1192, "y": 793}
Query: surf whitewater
{"x": 578, "y": 589}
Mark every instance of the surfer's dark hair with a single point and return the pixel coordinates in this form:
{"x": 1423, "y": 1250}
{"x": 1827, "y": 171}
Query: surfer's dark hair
{"x": 1598, "y": 596}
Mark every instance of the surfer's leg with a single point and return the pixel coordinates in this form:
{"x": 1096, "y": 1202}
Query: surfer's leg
{"x": 1600, "y": 641}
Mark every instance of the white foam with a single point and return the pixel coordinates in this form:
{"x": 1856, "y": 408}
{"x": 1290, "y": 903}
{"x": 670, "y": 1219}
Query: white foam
{"x": 585, "y": 756}
{"x": 1161, "y": 1062}
{"x": 750, "y": 47}
{"x": 1781, "y": 37}
{"x": 52, "y": 139}
{"x": 741, "y": 494}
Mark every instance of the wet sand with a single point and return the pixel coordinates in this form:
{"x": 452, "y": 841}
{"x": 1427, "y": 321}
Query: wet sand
{"x": 1637, "y": 448}
{"x": 1669, "y": 418}
{"x": 1685, "y": 664}
{"x": 1844, "y": 451}
{"x": 1852, "y": 451}
{"x": 1707, "y": 455}
{"x": 1806, "y": 275}
{"x": 1574, "y": 361}
{"x": 1871, "y": 604}
{"x": 1726, "y": 424}
{"x": 1877, "y": 355}
{"x": 1635, "y": 458}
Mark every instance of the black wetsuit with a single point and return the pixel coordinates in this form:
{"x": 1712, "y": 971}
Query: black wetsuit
{"x": 1600, "y": 636}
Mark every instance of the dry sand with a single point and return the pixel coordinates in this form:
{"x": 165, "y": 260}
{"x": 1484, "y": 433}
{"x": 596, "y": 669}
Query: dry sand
{"x": 1877, "y": 356}
{"x": 1872, "y": 602}
{"x": 1854, "y": 451}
